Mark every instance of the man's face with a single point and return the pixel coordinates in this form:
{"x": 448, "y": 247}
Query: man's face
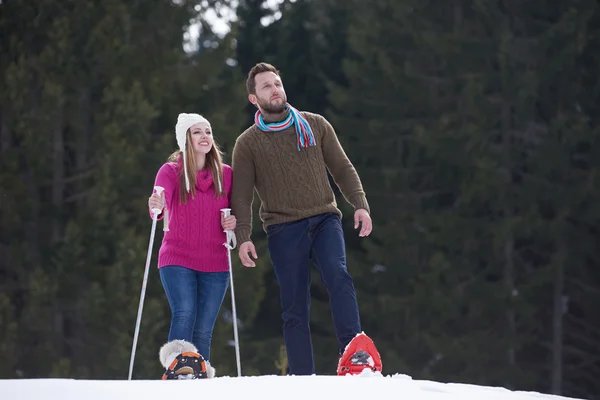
{"x": 270, "y": 96}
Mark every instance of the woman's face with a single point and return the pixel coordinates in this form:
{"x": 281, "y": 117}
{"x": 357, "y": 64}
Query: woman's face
{"x": 202, "y": 138}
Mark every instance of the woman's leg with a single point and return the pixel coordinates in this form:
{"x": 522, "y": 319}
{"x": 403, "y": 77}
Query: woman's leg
{"x": 211, "y": 290}
{"x": 181, "y": 288}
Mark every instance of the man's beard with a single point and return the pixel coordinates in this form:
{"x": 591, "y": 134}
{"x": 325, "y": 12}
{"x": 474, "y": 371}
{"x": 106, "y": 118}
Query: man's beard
{"x": 270, "y": 108}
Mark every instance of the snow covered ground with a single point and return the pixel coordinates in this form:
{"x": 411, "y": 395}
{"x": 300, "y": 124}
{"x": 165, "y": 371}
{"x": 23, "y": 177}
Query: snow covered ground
{"x": 397, "y": 387}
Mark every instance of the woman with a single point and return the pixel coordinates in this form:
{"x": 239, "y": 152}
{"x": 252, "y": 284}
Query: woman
{"x": 192, "y": 260}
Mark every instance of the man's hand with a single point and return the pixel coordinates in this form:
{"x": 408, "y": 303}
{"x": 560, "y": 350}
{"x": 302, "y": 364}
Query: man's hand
{"x": 245, "y": 248}
{"x": 366, "y": 225}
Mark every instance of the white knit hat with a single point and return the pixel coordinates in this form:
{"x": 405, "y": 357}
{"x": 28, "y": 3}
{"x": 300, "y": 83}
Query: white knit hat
{"x": 184, "y": 122}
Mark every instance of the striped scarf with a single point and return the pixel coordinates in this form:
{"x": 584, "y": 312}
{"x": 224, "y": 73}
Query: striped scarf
{"x": 304, "y": 134}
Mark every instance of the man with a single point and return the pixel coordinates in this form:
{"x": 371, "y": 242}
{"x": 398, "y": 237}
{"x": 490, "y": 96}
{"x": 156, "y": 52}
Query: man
{"x": 285, "y": 156}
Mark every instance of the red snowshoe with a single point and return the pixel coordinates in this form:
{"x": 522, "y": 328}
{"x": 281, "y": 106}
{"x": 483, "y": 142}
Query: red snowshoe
{"x": 360, "y": 354}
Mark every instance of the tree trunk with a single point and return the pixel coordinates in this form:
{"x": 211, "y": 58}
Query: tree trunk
{"x": 458, "y": 17}
{"x": 58, "y": 172}
{"x": 510, "y": 287}
{"x": 82, "y": 160}
{"x": 58, "y": 194}
{"x": 557, "y": 320}
{"x": 5, "y": 139}
{"x": 506, "y": 127}
{"x": 509, "y": 244}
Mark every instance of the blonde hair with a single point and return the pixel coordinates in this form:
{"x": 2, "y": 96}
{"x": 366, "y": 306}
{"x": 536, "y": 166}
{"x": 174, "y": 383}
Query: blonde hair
{"x": 214, "y": 162}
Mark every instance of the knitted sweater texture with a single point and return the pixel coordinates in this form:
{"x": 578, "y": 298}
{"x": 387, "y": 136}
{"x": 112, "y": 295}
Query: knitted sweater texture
{"x": 195, "y": 237}
{"x": 290, "y": 184}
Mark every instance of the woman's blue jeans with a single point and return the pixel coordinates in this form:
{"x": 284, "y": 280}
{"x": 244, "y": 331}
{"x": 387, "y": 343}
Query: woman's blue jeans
{"x": 195, "y": 299}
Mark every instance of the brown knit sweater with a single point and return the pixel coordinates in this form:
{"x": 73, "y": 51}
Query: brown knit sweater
{"x": 291, "y": 184}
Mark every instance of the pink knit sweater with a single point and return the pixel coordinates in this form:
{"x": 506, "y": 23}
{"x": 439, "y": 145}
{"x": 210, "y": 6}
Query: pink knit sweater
{"x": 194, "y": 238}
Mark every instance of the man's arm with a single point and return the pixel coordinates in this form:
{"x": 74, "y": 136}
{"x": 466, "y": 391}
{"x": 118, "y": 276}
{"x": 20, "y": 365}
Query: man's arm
{"x": 339, "y": 165}
{"x": 242, "y": 191}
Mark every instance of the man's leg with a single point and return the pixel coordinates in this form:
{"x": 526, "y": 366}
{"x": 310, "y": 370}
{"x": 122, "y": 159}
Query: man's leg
{"x": 329, "y": 255}
{"x": 289, "y": 247}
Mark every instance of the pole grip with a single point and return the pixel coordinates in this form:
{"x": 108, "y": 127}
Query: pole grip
{"x": 159, "y": 190}
{"x": 230, "y": 235}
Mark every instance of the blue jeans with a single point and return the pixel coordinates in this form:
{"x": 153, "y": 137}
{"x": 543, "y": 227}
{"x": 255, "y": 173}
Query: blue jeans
{"x": 292, "y": 247}
{"x": 195, "y": 299}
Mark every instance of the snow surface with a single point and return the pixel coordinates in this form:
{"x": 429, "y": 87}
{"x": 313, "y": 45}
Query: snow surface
{"x": 269, "y": 387}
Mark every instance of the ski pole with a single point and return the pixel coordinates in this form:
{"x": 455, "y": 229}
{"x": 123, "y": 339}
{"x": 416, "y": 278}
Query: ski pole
{"x": 155, "y": 213}
{"x": 231, "y": 238}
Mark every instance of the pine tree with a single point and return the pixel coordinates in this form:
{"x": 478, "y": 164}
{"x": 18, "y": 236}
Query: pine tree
{"x": 444, "y": 110}
{"x": 79, "y": 107}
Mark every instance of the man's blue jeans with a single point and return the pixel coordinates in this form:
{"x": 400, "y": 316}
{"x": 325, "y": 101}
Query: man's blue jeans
{"x": 292, "y": 246}
{"x": 195, "y": 299}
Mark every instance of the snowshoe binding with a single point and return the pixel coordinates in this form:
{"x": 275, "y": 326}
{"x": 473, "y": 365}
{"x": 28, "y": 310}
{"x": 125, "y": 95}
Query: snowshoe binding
{"x": 181, "y": 360}
{"x": 360, "y": 355}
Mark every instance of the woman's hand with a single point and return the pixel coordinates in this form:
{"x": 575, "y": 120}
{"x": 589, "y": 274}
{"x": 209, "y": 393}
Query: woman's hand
{"x": 228, "y": 223}
{"x": 156, "y": 201}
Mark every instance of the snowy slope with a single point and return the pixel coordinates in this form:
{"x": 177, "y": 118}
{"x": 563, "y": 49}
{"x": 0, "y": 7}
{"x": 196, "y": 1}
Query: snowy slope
{"x": 397, "y": 387}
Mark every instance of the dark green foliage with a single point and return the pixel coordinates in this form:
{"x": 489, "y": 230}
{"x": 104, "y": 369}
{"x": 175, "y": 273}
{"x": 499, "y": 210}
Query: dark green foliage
{"x": 468, "y": 123}
{"x": 473, "y": 126}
